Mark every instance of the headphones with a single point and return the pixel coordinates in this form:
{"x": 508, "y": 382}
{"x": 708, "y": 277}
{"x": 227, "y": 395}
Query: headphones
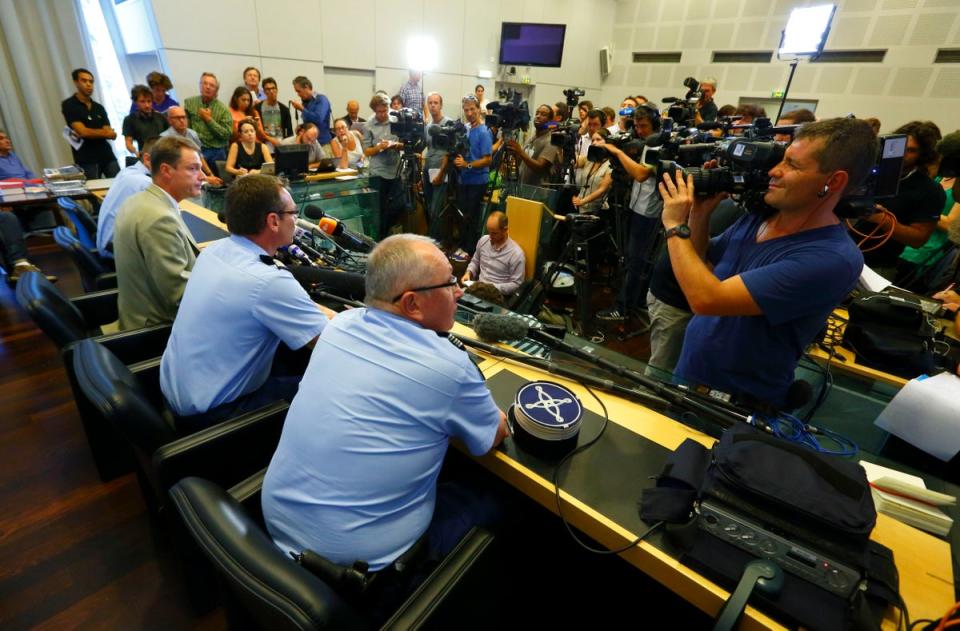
{"x": 653, "y": 114}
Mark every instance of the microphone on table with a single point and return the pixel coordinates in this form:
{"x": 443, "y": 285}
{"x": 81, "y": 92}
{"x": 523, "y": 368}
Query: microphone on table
{"x": 335, "y": 228}
{"x": 495, "y": 327}
{"x": 294, "y": 252}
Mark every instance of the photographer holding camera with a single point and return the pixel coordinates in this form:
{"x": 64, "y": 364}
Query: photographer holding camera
{"x": 383, "y": 149}
{"x": 538, "y": 156}
{"x": 644, "y": 229}
{"x": 433, "y": 156}
{"x": 763, "y": 289}
{"x": 706, "y": 107}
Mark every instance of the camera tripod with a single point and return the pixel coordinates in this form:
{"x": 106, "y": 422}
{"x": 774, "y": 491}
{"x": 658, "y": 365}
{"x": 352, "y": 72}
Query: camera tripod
{"x": 450, "y": 213}
{"x": 584, "y": 230}
{"x": 408, "y": 174}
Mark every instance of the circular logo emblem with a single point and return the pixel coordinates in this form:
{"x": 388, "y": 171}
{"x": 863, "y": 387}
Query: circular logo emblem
{"x": 549, "y": 405}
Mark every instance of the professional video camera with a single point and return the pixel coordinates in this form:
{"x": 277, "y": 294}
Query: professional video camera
{"x": 626, "y": 142}
{"x": 451, "y": 137}
{"x": 683, "y": 110}
{"x": 509, "y": 113}
{"x": 573, "y": 96}
{"x": 407, "y": 125}
{"x": 566, "y": 135}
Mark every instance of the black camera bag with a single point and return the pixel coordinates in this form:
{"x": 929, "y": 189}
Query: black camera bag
{"x": 890, "y": 334}
{"x": 818, "y": 501}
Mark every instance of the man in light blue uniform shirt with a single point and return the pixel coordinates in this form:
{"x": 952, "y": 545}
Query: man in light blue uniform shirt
{"x": 355, "y": 474}
{"x": 130, "y": 181}
{"x": 237, "y": 308}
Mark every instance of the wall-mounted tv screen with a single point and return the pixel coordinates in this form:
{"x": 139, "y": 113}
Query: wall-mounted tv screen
{"x": 525, "y": 44}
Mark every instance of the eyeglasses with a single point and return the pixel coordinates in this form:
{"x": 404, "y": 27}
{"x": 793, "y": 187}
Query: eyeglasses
{"x": 450, "y": 283}
{"x": 287, "y": 212}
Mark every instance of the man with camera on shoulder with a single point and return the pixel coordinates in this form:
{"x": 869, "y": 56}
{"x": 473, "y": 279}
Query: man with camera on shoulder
{"x": 645, "y": 205}
{"x": 762, "y": 290}
{"x": 538, "y": 156}
{"x": 474, "y": 173}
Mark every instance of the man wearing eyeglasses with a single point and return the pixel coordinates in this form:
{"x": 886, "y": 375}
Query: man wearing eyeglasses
{"x": 237, "y": 308}
{"x": 355, "y": 473}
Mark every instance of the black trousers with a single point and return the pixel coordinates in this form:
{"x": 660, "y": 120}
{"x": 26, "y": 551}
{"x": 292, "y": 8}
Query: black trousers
{"x": 12, "y": 245}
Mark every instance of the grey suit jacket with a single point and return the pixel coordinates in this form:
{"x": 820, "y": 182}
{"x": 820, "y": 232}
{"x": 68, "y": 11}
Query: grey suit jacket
{"x": 154, "y": 253}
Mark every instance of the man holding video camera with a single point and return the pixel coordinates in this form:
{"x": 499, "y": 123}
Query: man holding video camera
{"x": 474, "y": 173}
{"x": 538, "y": 156}
{"x": 645, "y": 205}
{"x": 383, "y": 149}
{"x": 762, "y": 290}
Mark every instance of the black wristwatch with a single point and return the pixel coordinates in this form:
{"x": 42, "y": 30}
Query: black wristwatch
{"x": 681, "y": 230}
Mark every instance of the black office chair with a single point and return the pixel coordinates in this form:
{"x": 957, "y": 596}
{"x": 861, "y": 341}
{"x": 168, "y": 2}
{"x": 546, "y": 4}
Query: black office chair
{"x": 134, "y": 406}
{"x": 66, "y": 321}
{"x": 96, "y": 272}
{"x": 266, "y": 589}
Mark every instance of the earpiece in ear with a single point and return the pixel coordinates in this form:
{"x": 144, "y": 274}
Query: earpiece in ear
{"x": 824, "y": 192}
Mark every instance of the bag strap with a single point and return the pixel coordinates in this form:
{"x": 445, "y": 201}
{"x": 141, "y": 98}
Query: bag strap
{"x": 678, "y": 484}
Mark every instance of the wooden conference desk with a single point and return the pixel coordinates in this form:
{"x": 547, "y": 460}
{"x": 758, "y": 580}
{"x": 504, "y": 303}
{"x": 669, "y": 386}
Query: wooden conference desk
{"x": 846, "y": 360}
{"x": 601, "y": 487}
{"x": 609, "y": 514}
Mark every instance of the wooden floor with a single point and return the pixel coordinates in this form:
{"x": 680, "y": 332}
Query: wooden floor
{"x": 75, "y": 552}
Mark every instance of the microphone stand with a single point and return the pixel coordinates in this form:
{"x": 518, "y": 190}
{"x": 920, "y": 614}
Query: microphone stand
{"x": 676, "y": 393}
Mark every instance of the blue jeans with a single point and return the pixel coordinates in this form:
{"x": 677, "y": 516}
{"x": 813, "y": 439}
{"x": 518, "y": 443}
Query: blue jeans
{"x": 211, "y": 155}
{"x": 644, "y": 232}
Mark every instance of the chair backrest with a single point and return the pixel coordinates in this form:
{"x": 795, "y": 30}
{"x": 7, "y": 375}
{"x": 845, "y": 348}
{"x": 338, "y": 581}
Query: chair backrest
{"x": 269, "y": 586}
{"x": 114, "y": 391}
{"x": 53, "y": 312}
{"x": 85, "y": 260}
{"x": 84, "y": 223}
{"x": 526, "y": 220}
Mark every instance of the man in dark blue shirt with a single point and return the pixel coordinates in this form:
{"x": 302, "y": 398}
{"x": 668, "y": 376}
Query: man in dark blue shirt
{"x": 774, "y": 279}
{"x": 315, "y": 109}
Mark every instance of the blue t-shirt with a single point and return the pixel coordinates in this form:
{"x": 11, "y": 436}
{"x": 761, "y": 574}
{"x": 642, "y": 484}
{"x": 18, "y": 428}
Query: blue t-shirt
{"x": 481, "y": 144}
{"x": 235, "y": 312}
{"x": 355, "y": 474}
{"x": 796, "y": 280}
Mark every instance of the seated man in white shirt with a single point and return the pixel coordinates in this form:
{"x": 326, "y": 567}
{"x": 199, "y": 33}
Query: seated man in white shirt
{"x": 498, "y": 259}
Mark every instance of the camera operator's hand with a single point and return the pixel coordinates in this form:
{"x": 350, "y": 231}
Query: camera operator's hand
{"x": 577, "y": 201}
{"x": 297, "y": 105}
{"x": 437, "y": 180}
{"x": 459, "y": 162}
{"x": 677, "y": 195}
{"x": 514, "y": 146}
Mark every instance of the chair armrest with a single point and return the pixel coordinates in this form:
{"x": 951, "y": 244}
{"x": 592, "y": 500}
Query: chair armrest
{"x": 248, "y": 493}
{"x": 462, "y": 582}
{"x": 226, "y": 453}
{"x": 139, "y": 344}
{"x": 107, "y": 281}
{"x": 98, "y": 307}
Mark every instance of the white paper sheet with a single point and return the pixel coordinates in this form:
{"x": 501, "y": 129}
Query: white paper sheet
{"x": 924, "y": 413}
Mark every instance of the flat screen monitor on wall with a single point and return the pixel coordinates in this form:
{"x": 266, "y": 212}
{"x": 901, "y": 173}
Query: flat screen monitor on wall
{"x": 526, "y": 44}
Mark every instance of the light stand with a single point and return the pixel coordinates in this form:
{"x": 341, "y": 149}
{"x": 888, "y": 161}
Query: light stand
{"x": 804, "y": 36}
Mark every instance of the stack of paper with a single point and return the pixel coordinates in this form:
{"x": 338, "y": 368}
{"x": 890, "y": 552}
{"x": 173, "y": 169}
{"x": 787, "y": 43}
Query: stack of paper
{"x": 905, "y": 497}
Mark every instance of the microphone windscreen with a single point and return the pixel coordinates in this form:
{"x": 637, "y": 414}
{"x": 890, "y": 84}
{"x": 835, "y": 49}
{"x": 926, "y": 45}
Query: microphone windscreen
{"x": 312, "y": 211}
{"x": 494, "y": 327}
{"x": 328, "y": 225}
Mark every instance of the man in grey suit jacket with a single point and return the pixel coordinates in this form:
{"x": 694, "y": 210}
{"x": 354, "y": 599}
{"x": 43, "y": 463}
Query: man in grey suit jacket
{"x": 153, "y": 248}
